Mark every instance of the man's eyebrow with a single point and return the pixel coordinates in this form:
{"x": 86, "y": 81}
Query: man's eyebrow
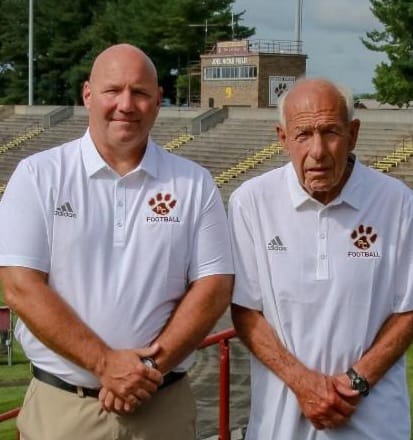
{"x": 139, "y": 87}
{"x": 107, "y": 85}
{"x": 323, "y": 125}
{"x": 305, "y": 127}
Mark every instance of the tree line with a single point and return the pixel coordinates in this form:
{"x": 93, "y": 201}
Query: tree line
{"x": 67, "y": 36}
{"x": 393, "y": 80}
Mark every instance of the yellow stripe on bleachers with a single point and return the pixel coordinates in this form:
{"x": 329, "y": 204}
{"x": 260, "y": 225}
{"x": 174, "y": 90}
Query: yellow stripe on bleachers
{"x": 18, "y": 140}
{"x": 394, "y": 159}
{"x": 178, "y": 142}
{"x": 250, "y": 162}
{"x": 2, "y": 189}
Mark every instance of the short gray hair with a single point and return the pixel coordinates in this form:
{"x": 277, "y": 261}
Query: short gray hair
{"x": 345, "y": 92}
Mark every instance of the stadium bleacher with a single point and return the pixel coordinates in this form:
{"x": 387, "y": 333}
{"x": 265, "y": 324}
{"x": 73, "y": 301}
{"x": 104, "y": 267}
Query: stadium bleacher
{"x": 242, "y": 146}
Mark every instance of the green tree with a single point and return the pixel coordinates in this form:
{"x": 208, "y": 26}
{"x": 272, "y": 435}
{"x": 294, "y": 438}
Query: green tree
{"x": 165, "y": 30}
{"x": 394, "y": 81}
{"x": 68, "y": 36}
{"x": 59, "y": 46}
{"x": 13, "y": 51}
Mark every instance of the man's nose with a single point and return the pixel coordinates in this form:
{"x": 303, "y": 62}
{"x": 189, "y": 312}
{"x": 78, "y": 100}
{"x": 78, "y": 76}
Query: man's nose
{"x": 126, "y": 103}
{"x": 318, "y": 146}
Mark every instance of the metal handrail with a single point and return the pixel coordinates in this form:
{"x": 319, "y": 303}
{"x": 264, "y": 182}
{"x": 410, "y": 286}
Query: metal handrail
{"x": 275, "y": 46}
{"x": 222, "y": 338}
{"x": 11, "y": 415}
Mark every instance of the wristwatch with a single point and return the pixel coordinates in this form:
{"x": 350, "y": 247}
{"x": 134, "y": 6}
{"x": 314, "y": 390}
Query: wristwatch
{"x": 149, "y": 362}
{"x": 358, "y": 382}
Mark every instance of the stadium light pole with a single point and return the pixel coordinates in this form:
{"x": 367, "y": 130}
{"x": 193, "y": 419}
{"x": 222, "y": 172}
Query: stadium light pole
{"x": 30, "y": 52}
{"x": 299, "y": 24}
{"x": 206, "y": 25}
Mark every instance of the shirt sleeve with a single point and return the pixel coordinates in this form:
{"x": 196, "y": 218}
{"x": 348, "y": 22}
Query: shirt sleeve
{"x": 211, "y": 251}
{"x": 404, "y": 280}
{"x": 23, "y": 239}
{"x": 247, "y": 292}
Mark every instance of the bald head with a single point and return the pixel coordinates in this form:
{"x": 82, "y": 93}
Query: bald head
{"x": 308, "y": 89}
{"x": 123, "y": 99}
{"x": 317, "y": 132}
{"x": 122, "y": 53}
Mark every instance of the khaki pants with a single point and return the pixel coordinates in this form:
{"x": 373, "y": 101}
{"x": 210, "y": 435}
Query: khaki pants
{"x": 49, "y": 413}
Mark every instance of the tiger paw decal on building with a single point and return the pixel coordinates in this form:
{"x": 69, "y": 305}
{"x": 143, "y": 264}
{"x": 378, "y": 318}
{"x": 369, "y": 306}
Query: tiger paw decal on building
{"x": 162, "y": 204}
{"x": 364, "y": 237}
{"x": 280, "y": 89}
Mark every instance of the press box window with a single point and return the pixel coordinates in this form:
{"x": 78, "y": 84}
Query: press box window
{"x": 230, "y": 72}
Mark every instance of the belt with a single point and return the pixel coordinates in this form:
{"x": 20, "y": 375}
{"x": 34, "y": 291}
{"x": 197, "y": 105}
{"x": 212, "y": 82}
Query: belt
{"x": 55, "y": 381}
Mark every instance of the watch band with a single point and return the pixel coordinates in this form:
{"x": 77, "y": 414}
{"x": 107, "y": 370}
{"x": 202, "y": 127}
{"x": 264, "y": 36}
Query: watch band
{"x": 358, "y": 382}
{"x": 352, "y": 373}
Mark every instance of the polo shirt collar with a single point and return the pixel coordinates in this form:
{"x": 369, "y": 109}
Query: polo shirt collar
{"x": 94, "y": 162}
{"x": 351, "y": 194}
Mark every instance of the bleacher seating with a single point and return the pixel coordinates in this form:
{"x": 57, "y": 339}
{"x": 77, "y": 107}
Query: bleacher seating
{"x": 178, "y": 141}
{"x": 246, "y": 164}
{"x": 401, "y": 154}
{"x": 20, "y": 139}
{"x": 14, "y": 125}
{"x": 233, "y": 151}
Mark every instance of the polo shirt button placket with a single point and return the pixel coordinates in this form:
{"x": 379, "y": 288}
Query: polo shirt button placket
{"x": 322, "y": 260}
{"x": 119, "y": 213}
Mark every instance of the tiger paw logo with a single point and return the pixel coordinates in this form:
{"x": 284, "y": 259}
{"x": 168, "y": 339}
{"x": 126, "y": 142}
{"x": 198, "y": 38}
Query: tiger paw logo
{"x": 364, "y": 237}
{"x": 280, "y": 89}
{"x": 162, "y": 204}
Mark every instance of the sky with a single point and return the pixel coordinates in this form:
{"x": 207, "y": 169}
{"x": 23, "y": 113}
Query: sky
{"x": 331, "y": 35}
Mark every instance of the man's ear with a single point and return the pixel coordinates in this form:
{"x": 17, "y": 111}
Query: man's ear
{"x": 282, "y": 136}
{"x": 160, "y": 96}
{"x": 86, "y": 94}
{"x": 353, "y": 132}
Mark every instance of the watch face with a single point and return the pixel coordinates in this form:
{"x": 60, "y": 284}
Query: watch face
{"x": 149, "y": 362}
{"x": 360, "y": 385}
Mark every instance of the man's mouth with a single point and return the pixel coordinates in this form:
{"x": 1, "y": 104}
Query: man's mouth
{"x": 317, "y": 170}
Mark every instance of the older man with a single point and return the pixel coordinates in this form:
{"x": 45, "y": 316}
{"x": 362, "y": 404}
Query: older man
{"x": 323, "y": 296}
{"x": 115, "y": 256}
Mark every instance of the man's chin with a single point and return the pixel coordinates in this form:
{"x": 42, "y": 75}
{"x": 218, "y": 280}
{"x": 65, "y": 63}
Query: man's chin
{"x": 318, "y": 186}
{"x": 128, "y": 140}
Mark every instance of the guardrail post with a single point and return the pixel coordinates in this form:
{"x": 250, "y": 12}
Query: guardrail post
{"x": 224, "y": 371}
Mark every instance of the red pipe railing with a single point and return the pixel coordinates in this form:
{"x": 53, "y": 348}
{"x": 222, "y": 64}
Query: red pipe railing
{"x": 222, "y": 338}
{"x": 10, "y": 415}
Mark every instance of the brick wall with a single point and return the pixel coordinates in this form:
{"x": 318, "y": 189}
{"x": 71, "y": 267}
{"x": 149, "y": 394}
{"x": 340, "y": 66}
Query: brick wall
{"x": 277, "y": 65}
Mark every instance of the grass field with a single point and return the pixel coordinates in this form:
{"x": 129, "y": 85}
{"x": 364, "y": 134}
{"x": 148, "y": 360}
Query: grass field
{"x": 13, "y": 382}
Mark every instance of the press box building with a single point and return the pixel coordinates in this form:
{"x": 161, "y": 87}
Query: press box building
{"x": 250, "y": 73}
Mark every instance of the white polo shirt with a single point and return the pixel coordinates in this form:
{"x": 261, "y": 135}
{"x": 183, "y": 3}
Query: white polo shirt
{"x": 120, "y": 250}
{"x": 326, "y": 278}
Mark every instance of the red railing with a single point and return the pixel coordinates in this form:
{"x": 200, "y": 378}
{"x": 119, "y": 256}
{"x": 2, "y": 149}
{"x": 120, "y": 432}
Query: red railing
{"x": 10, "y": 415}
{"x": 222, "y": 338}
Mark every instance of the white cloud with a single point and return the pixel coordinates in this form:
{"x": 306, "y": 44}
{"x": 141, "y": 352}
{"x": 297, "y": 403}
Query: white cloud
{"x": 339, "y": 15}
{"x": 331, "y": 34}
{"x": 273, "y": 17}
